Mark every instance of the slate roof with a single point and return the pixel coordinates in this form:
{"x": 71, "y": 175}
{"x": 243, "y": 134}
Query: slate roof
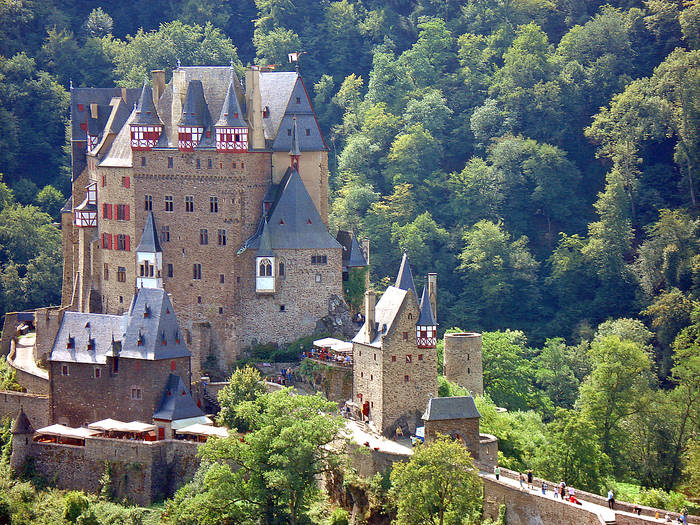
{"x": 404, "y": 279}
{"x": 195, "y": 111}
{"x": 352, "y": 253}
{"x": 158, "y": 332}
{"x": 119, "y": 154}
{"x": 426, "y": 317}
{"x": 149, "y": 237}
{"x": 177, "y": 402}
{"x": 146, "y": 114}
{"x": 294, "y": 222}
{"x": 231, "y": 114}
{"x": 384, "y": 314}
{"x": 81, "y": 327}
{"x": 294, "y": 147}
{"x": 83, "y": 97}
{"x": 21, "y": 424}
{"x": 265, "y": 245}
{"x": 275, "y": 90}
{"x": 442, "y": 408}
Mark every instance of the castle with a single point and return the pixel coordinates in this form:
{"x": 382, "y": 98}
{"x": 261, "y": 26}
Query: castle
{"x": 232, "y": 183}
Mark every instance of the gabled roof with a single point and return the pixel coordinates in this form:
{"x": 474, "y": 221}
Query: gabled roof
{"x": 426, "y": 317}
{"x": 177, "y": 402}
{"x": 21, "y": 424}
{"x": 153, "y": 332}
{"x": 146, "y": 114}
{"x": 442, "y": 408}
{"x": 149, "y": 237}
{"x": 384, "y": 315}
{"x": 81, "y": 98}
{"x": 231, "y": 115}
{"x": 306, "y": 120}
{"x": 294, "y": 221}
{"x": 81, "y": 327}
{"x": 195, "y": 111}
{"x": 404, "y": 279}
{"x": 275, "y": 90}
{"x": 352, "y": 253}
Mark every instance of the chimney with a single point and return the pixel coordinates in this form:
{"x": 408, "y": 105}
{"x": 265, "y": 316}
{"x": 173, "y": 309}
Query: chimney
{"x": 179, "y": 94}
{"x": 432, "y": 292}
{"x": 123, "y": 90}
{"x": 158, "y": 82}
{"x": 365, "y": 251}
{"x": 253, "y": 101}
{"x": 370, "y": 304}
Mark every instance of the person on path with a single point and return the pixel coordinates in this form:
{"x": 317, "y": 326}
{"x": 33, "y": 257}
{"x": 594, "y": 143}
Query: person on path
{"x": 521, "y": 478}
{"x": 529, "y": 479}
{"x": 544, "y": 488}
{"x": 555, "y": 492}
{"x": 572, "y": 494}
{"x": 684, "y": 515}
{"x": 611, "y": 499}
{"x": 497, "y": 471}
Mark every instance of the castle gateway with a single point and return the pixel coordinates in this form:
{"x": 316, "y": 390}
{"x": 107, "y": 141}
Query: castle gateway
{"x": 216, "y": 192}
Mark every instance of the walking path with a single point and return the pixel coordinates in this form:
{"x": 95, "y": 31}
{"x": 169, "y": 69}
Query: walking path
{"x": 604, "y": 512}
{"x": 24, "y": 356}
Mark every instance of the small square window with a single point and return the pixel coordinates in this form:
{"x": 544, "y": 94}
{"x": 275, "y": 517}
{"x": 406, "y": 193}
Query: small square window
{"x": 203, "y": 236}
{"x": 64, "y": 370}
{"x": 170, "y": 162}
{"x": 168, "y": 203}
{"x": 289, "y": 132}
{"x": 222, "y": 278}
{"x": 409, "y": 358}
{"x": 121, "y": 299}
{"x": 136, "y": 394}
{"x": 221, "y": 310}
{"x": 298, "y": 100}
{"x": 281, "y": 308}
{"x": 318, "y": 278}
{"x": 121, "y": 277}
{"x": 196, "y": 271}
{"x": 143, "y": 161}
{"x": 199, "y": 164}
{"x": 362, "y": 374}
{"x": 405, "y": 336}
{"x": 199, "y": 299}
{"x": 189, "y": 203}
{"x": 96, "y": 373}
{"x": 371, "y": 377}
{"x": 420, "y": 357}
{"x": 106, "y": 272}
{"x": 170, "y": 270}
{"x": 375, "y": 357}
{"x": 308, "y": 132}
{"x": 393, "y": 359}
{"x": 405, "y": 379}
{"x": 210, "y": 164}
{"x": 148, "y": 203}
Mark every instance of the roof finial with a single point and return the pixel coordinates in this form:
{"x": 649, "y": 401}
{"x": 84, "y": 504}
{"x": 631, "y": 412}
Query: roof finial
{"x": 178, "y": 63}
{"x": 231, "y": 62}
{"x": 70, "y": 82}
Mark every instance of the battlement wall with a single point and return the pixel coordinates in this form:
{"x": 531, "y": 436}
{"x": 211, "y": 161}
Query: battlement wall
{"x": 36, "y": 406}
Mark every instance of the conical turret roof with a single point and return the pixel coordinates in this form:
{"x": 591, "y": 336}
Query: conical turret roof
{"x": 195, "y": 111}
{"x": 22, "y": 425}
{"x": 426, "y": 317}
{"x": 231, "y": 111}
{"x": 404, "y": 279}
{"x": 149, "y": 237}
{"x": 294, "y": 150}
{"x": 146, "y": 114}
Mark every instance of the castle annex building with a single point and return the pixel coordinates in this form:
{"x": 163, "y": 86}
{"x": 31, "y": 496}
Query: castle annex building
{"x": 214, "y": 191}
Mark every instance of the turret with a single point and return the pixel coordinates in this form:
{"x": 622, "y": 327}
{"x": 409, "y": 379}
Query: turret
{"x": 149, "y": 257}
{"x": 146, "y": 125}
{"x": 294, "y": 150}
{"x": 86, "y": 212}
{"x": 22, "y": 431}
{"x": 265, "y": 264}
{"x": 195, "y": 118}
{"x": 231, "y": 129}
{"x": 404, "y": 279}
{"x": 370, "y": 317}
{"x": 426, "y": 327}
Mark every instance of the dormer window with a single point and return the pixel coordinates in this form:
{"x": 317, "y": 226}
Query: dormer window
{"x": 231, "y": 139}
{"x": 266, "y": 111}
{"x": 163, "y": 341}
{"x": 144, "y": 138}
{"x": 70, "y": 344}
{"x": 140, "y": 340}
{"x": 90, "y": 345}
{"x": 147, "y": 312}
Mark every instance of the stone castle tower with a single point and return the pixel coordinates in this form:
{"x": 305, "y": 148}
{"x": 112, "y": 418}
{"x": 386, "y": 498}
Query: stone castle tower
{"x": 22, "y": 431}
{"x": 394, "y": 356}
{"x": 463, "y": 363}
{"x": 216, "y": 175}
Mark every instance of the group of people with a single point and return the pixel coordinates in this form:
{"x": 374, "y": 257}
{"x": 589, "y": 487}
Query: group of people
{"x": 561, "y": 491}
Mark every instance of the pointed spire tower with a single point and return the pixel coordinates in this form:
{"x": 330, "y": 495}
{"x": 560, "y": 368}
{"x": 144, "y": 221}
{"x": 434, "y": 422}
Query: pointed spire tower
{"x": 295, "y": 150}
{"x": 426, "y": 327}
{"x": 231, "y": 128}
{"x": 404, "y": 279}
{"x": 195, "y": 117}
{"x": 146, "y": 125}
{"x": 149, "y": 256}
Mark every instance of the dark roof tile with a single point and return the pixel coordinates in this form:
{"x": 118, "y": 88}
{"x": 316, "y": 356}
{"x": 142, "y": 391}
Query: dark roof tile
{"x": 177, "y": 402}
{"x": 442, "y": 408}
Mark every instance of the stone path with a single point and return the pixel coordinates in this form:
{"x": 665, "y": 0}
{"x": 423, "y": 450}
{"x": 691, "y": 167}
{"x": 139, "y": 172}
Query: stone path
{"x": 24, "y": 356}
{"x": 360, "y": 434}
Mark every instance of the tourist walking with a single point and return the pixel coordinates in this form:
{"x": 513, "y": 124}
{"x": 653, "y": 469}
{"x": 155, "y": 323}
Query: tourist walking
{"x": 497, "y": 472}
{"x": 521, "y": 478}
{"x": 611, "y": 499}
{"x": 544, "y": 488}
{"x": 529, "y": 479}
{"x": 555, "y": 491}
{"x": 684, "y": 515}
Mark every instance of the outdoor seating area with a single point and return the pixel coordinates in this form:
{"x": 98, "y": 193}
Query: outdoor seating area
{"x": 64, "y": 435}
{"x": 332, "y": 351}
{"x": 112, "y": 428}
{"x": 200, "y": 433}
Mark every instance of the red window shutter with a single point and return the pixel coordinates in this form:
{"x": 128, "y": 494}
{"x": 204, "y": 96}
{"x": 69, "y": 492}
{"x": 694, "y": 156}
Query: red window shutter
{"x": 126, "y": 211}
{"x": 81, "y": 107}
{"x": 127, "y": 182}
{"x": 104, "y": 240}
{"x": 104, "y": 180}
{"x": 109, "y": 211}
{"x": 127, "y": 244}
{"x": 109, "y": 241}
{"x": 83, "y": 126}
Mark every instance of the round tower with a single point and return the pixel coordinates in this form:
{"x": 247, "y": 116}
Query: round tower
{"x": 22, "y": 431}
{"x": 463, "y": 363}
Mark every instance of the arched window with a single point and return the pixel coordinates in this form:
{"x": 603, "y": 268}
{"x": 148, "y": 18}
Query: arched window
{"x": 281, "y": 272}
{"x": 265, "y": 268}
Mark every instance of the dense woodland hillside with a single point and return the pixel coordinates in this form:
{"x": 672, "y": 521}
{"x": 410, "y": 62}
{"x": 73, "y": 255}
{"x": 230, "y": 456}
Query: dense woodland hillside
{"x": 543, "y": 156}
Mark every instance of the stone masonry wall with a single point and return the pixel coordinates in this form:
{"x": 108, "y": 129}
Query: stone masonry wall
{"x": 367, "y": 380}
{"x": 142, "y": 472}
{"x": 463, "y": 362}
{"x": 525, "y": 508}
{"x": 313, "y": 169}
{"x": 405, "y": 400}
{"x": 467, "y": 429}
{"x": 73, "y": 401}
{"x": 300, "y": 300}
{"x": 35, "y": 406}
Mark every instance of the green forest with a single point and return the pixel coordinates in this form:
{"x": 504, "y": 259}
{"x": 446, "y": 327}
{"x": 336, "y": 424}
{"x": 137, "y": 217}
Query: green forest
{"x": 542, "y": 156}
